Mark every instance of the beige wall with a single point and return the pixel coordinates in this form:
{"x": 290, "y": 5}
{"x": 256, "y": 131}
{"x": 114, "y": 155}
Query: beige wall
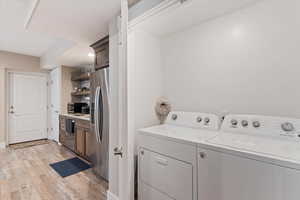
{"x": 20, "y": 62}
{"x": 16, "y": 62}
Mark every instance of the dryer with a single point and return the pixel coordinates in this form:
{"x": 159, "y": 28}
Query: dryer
{"x": 168, "y": 155}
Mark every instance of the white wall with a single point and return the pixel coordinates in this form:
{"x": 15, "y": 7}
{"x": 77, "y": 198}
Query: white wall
{"x": 145, "y": 77}
{"x": 245, "y": 62}
{"x": 144, "y": 86}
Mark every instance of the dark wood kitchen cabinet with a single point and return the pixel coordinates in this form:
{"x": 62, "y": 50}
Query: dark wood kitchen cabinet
{"x": 80, "y": 141}
{"x": 82, "y": 131}
{"x": 101, "y": 49}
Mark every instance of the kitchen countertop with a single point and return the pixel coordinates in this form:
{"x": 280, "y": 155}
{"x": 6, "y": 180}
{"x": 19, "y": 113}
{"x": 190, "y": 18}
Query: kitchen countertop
{"x": 82, "y": 117}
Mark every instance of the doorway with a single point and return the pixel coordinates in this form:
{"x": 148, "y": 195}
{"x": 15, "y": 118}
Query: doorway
{"x": 27, "y": 107}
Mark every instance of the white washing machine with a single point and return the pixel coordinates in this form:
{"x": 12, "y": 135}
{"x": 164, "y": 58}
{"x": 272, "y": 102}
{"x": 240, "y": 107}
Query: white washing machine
{"x": 253, "y": 158}
{"x": 168, "y": 155}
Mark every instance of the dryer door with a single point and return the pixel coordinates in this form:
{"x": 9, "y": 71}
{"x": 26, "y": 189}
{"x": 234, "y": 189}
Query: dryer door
{"x": 167, "y": 175}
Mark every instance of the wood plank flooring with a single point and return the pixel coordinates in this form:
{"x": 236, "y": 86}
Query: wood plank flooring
{"x": 25, "y": 174}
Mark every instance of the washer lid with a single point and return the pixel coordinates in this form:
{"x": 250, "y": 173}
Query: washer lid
{"x": 279, "y": 149}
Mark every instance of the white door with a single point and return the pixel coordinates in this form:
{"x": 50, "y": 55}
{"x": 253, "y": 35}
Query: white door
{"x": 54, "y": 103}
{"x": 119, "y": 181}
{"x": 27, "y": 107}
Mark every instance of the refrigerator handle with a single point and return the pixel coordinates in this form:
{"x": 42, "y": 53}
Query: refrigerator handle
{"x": 96, "y": 113}
{"x": 101, "y": 116}
{"x": 104, "y": 103}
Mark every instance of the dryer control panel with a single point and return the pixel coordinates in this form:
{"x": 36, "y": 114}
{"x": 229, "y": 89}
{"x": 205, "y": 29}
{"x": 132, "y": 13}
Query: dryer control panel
{"x": 194, "y": 120}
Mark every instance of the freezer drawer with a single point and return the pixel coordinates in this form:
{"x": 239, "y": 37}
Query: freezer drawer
{"x": 167, "y": 175}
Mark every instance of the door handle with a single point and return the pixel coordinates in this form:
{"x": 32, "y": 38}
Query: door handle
{"x": 118, "y": 151}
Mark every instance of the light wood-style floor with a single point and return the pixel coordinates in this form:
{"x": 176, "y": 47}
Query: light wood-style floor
{"x": 25, "y": 174}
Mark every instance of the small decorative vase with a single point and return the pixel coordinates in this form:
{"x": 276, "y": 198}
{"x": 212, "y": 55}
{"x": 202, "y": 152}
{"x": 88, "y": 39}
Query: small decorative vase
{"x": 162, "y": 109}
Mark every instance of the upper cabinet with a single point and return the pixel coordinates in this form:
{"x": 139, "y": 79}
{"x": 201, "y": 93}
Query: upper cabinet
{"x": 101, "y": 49}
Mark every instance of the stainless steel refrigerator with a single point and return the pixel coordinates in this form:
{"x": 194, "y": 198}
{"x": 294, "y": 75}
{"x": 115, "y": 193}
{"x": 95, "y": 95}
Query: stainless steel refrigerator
{"x": 98, "y": 140}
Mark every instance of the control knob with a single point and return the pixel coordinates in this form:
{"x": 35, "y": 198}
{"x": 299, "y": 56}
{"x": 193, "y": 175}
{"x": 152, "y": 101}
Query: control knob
{"x": 199, "y": 119}
{"x": 287, "y": 127}
{"x": 174, "y": 117}
{"x": 234, "y": 122}
{"x": 206, "y": 120}
{"x": 244, "y": 123}
{"x": 256, "y": 124}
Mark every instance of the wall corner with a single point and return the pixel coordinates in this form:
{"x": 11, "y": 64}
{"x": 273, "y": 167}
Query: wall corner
{"x": 111, "y": 196}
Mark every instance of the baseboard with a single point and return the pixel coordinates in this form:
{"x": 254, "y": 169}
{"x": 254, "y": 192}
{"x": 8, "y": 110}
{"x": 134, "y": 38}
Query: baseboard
{"x": 111, "y": 196}
{"x": 2, "y": 145}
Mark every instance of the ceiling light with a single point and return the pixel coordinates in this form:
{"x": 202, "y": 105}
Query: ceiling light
{"x": 91, "y": 55}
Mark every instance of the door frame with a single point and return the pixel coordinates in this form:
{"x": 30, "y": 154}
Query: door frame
{"x": 49, "y": 114}
{"x": 119, "y": 76}
{"x": 124, "y": 165}
{"x": 7, "y": 93}
{"x": 128, "y": 170}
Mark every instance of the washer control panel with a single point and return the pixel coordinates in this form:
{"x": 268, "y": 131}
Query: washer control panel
{"x": 194, "y": 120}
{"x": 262, "y": 125}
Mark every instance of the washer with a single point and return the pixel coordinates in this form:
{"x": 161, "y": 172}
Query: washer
{"x": 253, "y": 157}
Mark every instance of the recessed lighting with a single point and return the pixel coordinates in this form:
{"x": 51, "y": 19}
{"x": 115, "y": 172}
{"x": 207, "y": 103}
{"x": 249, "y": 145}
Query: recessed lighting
{"x": 91, "y": 55}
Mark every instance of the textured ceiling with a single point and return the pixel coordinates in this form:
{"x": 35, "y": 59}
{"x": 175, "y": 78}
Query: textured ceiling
{"x": 13, "y": 36}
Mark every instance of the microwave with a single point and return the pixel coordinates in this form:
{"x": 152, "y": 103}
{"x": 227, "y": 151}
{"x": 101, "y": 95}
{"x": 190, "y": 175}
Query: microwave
{"x": 80, "y": 108}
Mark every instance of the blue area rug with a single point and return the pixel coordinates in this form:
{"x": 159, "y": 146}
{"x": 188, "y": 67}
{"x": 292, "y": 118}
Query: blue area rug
{"x": 69, "y": 167}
